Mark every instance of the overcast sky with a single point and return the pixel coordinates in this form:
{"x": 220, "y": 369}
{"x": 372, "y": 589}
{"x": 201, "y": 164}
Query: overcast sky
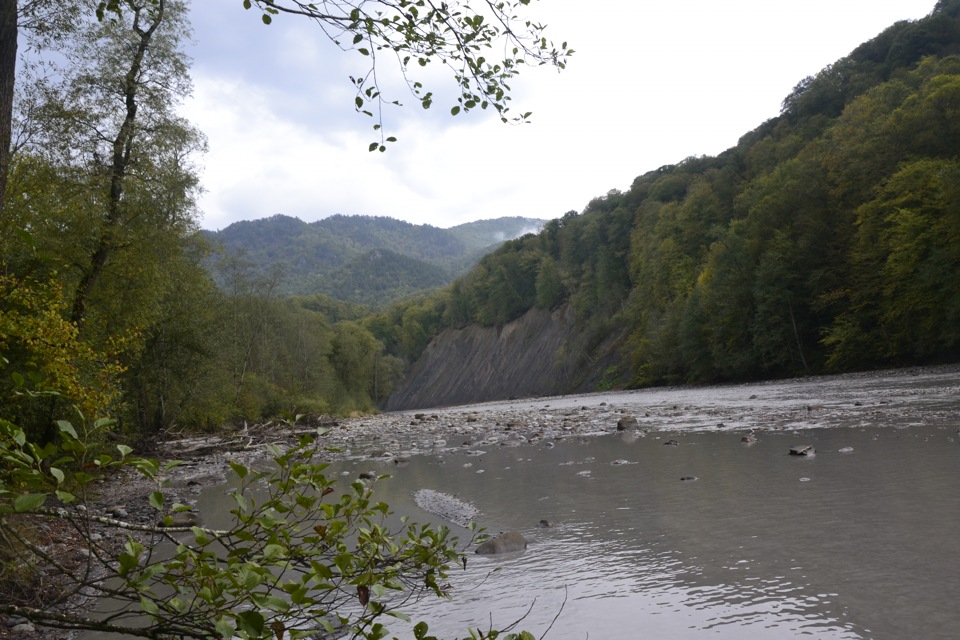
{"x": 651, "y": 83}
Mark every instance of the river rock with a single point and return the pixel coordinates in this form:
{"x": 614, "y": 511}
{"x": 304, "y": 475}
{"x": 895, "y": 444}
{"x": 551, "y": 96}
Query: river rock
{"x": 803, "y": 450}
{"x": 626, "y": 423}
{"x": 507, "y": 542}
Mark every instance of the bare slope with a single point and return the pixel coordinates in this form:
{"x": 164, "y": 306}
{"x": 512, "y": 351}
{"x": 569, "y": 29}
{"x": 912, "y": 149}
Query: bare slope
{"x": 526, "y": 357}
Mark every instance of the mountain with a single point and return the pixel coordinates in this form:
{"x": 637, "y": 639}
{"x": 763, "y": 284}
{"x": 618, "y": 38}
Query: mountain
{"x": 827, "y": 240}
{"x": 363, "y": 259}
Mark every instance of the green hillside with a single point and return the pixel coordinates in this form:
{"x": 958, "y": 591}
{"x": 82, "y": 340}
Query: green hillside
{"x": 331, "y": 255}
{"x": 828, "y": 239}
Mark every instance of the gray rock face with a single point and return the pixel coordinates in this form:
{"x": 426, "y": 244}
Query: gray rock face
{"x": 474, "y": 364}
{"x": 507, "y": 542}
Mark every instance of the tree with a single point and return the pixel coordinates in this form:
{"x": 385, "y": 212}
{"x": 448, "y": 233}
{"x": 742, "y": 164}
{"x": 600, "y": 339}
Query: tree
{"x": 8, "y": 69}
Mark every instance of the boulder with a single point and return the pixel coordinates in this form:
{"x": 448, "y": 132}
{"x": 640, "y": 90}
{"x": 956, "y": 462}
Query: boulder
{"x": 803, "y": 450}
{"x": 627, "y": 422}
{"x": 507, "y": 542}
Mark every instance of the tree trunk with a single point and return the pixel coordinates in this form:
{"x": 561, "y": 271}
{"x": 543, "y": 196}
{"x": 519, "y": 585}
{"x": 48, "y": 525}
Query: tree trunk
{"x": 8, "y": 69}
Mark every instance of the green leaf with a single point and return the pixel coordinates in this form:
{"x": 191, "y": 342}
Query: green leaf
{"x": 364, "y": 51}
{"x": 66, "y": 427}
{"x": 454, "y": 111}
{"x": 251, "y": 623}
{"x": 225, "y": 628}
{"x": 357, "y": 38}
{"x": 29, "y": 502}
{"x": 17, "y": 380}
{"x": 374, "y": 145}
{"x": 124, "y": 450}
{"x": 239, "y": 469}
{"x": 266, "y": 19}
{"x": 58, "y": 474}
{"x": 148, "y": 606}
{"x": 156, "y": 500}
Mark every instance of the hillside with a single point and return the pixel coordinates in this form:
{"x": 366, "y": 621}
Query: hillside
{"x": 827, "y": 239}
{"x": 362, "y": 259}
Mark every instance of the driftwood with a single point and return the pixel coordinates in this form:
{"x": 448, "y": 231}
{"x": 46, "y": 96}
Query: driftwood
{"x": 246, "y": 438}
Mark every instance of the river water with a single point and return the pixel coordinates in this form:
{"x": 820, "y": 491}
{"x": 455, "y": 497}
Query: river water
{"x": 861, "y": 540}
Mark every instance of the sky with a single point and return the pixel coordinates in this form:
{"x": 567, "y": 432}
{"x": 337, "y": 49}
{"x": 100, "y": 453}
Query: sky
{"x": 651, "y": 83}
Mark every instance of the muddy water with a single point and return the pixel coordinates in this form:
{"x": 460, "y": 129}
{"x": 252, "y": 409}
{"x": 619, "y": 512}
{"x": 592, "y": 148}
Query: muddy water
{"x": 861, "y": 540}
{"x": 853, "y": 544}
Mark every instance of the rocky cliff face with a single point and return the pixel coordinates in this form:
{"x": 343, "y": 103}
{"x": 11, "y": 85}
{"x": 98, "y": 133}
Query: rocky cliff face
{"x": 531, "y": 356}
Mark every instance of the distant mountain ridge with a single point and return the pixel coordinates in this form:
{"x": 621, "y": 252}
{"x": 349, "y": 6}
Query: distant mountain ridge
{"x": 363, "y": 259}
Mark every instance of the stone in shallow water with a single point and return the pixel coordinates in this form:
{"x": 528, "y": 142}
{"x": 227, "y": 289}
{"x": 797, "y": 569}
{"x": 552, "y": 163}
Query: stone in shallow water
{"x": 507, "y": 542}
{"x": 803, "y": 450}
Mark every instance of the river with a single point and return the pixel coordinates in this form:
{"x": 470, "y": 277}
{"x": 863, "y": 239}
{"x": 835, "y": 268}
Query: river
{"x": 860, "y": 540}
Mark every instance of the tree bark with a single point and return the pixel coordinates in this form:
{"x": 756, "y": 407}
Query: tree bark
{"x": 8, "y": 70}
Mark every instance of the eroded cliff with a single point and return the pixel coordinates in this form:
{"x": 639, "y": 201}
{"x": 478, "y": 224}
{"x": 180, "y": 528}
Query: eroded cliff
{"x": 533, "y": 356}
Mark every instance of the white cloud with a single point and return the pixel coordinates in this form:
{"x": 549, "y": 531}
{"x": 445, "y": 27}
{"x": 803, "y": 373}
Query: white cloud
{"x": 651, "y": 83}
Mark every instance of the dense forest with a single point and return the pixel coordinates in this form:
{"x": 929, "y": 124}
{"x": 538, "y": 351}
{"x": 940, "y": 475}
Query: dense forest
{"x": 371, "y": 260}
{"x": 828, "y": 239}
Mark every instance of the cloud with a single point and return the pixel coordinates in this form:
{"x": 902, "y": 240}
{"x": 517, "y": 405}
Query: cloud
{"x": 651, "y": 84}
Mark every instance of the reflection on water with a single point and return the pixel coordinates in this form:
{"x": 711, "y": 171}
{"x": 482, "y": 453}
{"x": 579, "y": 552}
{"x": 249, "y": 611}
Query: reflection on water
{"x": 856, "y": 544}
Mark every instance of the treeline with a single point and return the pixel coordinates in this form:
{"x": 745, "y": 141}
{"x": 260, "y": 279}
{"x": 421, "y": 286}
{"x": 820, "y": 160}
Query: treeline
{"x": 107, "y": 306}
{"x": 828, "y": 239}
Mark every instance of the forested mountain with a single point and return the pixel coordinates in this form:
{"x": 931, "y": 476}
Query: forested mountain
{"x": 361, "y": 259}
{"x": 827, "y": 239}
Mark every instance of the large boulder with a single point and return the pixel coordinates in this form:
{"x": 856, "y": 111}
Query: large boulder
{"x": 507, "y": 542}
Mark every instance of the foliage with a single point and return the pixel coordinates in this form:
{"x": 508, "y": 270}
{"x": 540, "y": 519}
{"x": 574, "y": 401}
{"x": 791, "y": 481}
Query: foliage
{"x": 45, "y": 365}
{"x": 299, "y": 555}
{"x": 362, "y": 259}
